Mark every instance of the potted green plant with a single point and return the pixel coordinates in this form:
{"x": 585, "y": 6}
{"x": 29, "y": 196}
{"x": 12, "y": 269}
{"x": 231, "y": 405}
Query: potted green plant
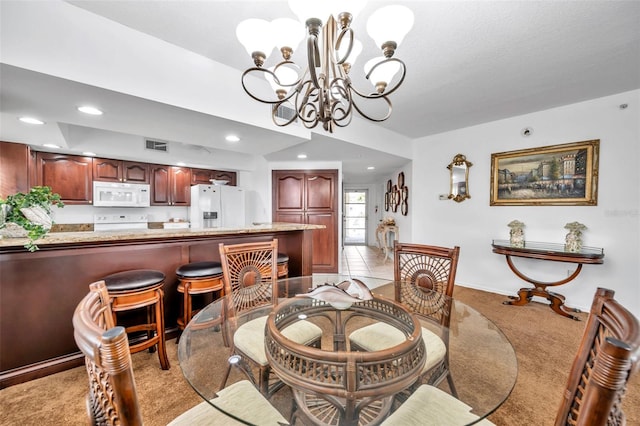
{"x": 27, "y": 214}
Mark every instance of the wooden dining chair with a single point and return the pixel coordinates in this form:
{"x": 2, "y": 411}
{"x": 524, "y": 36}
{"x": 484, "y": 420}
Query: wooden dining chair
{"x": 113, "y": 399}
{"x": 424, "y": 279}
{"x": 250, "y": 280}
{"x": 607, "y": 357}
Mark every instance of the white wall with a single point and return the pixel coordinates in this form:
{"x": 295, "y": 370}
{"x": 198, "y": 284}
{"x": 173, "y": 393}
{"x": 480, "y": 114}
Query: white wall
{"x": 613, "y": 224}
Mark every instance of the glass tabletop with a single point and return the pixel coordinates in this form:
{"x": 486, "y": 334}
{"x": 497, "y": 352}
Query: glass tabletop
{"x": 482, "y": 361}
{"x": 542, "y": 247}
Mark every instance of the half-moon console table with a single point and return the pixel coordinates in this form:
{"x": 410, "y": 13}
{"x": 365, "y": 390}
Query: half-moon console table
{"x": 546, "y": 251}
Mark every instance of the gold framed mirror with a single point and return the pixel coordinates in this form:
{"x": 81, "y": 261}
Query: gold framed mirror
{"x": 459, "y": 178}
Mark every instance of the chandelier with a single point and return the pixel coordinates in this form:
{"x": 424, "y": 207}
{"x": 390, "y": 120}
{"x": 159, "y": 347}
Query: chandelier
{"x": 321, "y": 91}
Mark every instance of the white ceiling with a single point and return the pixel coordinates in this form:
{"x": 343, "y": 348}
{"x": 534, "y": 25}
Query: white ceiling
{"x": 468, "y": 63}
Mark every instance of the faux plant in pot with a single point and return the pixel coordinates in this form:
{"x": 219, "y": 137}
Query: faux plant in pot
{"x": 27, "y": 214}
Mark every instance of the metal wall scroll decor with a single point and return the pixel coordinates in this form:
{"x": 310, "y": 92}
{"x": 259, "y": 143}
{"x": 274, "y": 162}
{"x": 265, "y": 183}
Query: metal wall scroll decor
{"x": 397, "y": 196}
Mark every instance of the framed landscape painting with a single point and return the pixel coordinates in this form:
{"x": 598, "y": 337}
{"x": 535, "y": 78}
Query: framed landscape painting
{"x": 558, "y": 175}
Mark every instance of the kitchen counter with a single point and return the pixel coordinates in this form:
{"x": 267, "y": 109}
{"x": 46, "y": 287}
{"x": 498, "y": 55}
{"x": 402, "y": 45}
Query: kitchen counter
{"x": 40, "y": 290}
{"x": 65, "y": 238}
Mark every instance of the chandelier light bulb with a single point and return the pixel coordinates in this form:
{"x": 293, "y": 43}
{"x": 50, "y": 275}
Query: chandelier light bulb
{"x": 256, "y": 36}
{"x": 390, "y": 23}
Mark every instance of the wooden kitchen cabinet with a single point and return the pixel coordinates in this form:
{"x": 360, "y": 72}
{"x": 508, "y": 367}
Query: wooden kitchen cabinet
{"x": 170, "y": 185}
{"x": 68, "y": 175}
{"x": 310, "y": 197}
{"x": 14, "y": 168}
{"x": 109, "y": 170}
{"x": 204, "y": 176}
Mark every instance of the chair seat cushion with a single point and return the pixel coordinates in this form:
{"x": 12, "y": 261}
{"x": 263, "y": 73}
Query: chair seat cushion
{"x": 235, "y": 398}
{"x": 249, "y": 338}
{"x": 199, "y": 269}
{"x": 379, "y": 336}
{"x": 429, "y": 405}
{"x": 282, "y": 258}
{"x": 136, "y": 279}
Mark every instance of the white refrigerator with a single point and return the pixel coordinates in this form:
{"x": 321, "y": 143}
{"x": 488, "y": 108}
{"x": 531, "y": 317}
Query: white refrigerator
{"x": 217, "y": 206}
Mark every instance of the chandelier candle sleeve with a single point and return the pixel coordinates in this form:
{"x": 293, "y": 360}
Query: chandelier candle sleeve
{"x": 321, "y": 91}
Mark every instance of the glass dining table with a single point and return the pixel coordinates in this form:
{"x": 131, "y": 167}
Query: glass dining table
{"x": 481, "y": 360}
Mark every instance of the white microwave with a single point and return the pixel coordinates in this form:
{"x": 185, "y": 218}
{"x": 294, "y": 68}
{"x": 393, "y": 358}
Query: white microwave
{"x": 111, "y": 194}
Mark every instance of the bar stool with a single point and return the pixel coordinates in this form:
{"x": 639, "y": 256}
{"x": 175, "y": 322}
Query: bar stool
{"x": 283, "y": 265}
{"x": 136, "y": 289}
{"x": 197, "y": 278}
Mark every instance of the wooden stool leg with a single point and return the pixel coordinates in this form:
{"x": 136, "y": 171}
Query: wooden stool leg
{"x": 159, "y": 317}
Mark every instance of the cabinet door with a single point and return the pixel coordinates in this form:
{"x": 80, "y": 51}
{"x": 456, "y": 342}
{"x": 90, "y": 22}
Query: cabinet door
{"x": 180, "y": 186}
{"x": 201, "y": 176}
{"x": 68, "y": 175}
{"x": 160, "y": 188}
{"x": 290, "y": 217}
{"x": 106, "y": 169}
{"x": 289, "y": 190}
{"x": 320, "y": 191}
{"x": 325, "y": 242}
{"x": 14, "y": 168}
{"x": 134, "y": 172}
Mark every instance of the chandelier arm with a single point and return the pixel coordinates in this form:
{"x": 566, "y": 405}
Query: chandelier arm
{"x": 390, "y": 109}
{"x": 395, "y": 87}
{"x": 274, "y": 109}
{"x": 282, "y": 64}
{"x": 312, "y": 57}
{"x": 265, "y": 101}
{"x": 304, "y": 104}
{"x": 344, "y": 31}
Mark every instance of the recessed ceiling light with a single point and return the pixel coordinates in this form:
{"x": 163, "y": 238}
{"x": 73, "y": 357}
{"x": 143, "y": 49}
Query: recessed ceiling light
{"x": 232, "y": 138}
{"x": 30, "y": 120}
{"x": 51, "y": 145}
{"x": 180, "y": 163}
{"x": 90, "y": 110}
{"x": 89, "y": 153}
{"x": 371, "y": 168}
{"x": 302, "y": 156}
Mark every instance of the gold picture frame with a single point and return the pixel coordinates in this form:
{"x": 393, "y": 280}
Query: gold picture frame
{"x": 556, "y": 175}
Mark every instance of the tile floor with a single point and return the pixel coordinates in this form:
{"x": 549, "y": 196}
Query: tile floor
{"x": 367, "y": 261}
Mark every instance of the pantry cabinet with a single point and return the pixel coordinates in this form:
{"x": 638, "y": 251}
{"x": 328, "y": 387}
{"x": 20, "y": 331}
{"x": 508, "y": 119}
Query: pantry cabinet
{"x": 310, "y": 197}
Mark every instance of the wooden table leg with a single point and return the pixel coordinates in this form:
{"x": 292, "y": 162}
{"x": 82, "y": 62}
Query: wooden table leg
{"x": 557, "y": 300}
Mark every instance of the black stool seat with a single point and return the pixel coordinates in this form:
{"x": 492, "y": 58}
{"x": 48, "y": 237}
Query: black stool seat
{"x": 136, "y": 279}
{"x": 199, "y": 269}
{"x": 282, "y": 258}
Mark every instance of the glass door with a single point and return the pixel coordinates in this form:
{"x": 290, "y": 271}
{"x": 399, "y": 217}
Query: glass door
{"x": 355, "y": 217}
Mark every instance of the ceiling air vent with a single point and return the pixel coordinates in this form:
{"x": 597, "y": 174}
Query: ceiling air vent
{"x": 156, "y": 145}
{"x": 285, "y": 113}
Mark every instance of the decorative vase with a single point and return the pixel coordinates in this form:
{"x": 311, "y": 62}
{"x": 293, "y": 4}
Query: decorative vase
{"x": 516, "y": 235}
{"x": 573, "y": 240}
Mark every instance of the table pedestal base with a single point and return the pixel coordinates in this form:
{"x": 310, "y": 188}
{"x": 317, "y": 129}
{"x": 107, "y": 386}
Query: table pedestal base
{"x": 557, "y": 301}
